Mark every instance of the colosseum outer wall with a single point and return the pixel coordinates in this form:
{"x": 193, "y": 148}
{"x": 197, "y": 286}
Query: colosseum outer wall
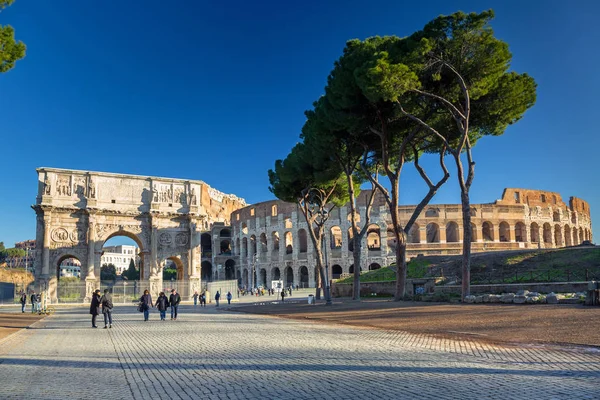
{"x": 271, "y": 237}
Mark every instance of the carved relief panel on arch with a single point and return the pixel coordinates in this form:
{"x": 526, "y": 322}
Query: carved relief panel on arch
{"x": 63, "y": 185}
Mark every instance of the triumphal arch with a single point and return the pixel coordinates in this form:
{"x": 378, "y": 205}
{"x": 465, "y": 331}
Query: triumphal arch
{"x": 78, "y": 211}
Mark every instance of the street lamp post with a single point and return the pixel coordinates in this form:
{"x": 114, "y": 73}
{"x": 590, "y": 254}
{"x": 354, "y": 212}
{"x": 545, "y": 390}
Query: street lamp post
{"x": 317, "y": 206}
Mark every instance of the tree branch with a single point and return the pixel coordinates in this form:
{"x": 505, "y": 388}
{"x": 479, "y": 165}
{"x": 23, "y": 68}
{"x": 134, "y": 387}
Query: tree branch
{"x": 432, "y": 191}
{"x": 423, "y": 124}
{"x": 448, "y": 104}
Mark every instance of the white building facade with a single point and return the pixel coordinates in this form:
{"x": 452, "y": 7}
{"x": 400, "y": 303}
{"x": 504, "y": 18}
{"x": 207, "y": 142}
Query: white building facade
{"x": 120, "y": 256}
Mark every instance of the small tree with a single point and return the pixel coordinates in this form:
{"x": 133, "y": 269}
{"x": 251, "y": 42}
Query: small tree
{"x": 363, "y": 104}
{"x": 295, "y": 180}
{"x": 331, "y": 141}
{"x": 464, "y": 75}
{"x": 131, "y": 273}
{"x": 108, "y": 272}
{"x": 10, "y": 50}
{"x": 169, "y": 273}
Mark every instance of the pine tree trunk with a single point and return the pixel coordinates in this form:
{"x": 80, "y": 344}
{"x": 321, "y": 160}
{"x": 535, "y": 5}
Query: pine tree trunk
{"x": 400, "y": 247}
{"x": 467, "y": 237}
{"x": 319, "y": 274}
{"x": 356, "y": 255}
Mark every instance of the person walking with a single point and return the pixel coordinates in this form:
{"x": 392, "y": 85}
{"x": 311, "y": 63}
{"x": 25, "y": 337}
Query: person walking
{"x": 146, "y": 301}
{"x": 33, "y": 299}
{"x": 229, "y": 296}
{"x": 95, "y": 307}
{"x": 23, "y": 300}
{"x": 161, "y": 304}
{"x": 282, "y": 295}
{"x": 38, "y": 301}
{"x": 107, "y": 306}
{"x": 217, "y": 297}
{"x": 174, "y": 300}
{"x": 195, "y": 298}
{"x": 203, "y": 299}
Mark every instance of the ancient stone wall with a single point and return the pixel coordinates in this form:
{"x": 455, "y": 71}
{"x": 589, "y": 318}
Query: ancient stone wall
{"x": 271, "y": 238}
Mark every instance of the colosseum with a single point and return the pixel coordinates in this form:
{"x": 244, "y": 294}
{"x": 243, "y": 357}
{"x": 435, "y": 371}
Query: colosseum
{"x": 271, "y": 240}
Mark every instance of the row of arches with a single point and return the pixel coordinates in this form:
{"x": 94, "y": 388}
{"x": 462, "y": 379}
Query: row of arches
{"x": 207, "y": 248}
{"x": 556, "y": 235}
{"x": 254, "y": 245}
{"x": 290, "y": 278}
{"x": 431, "y": 234}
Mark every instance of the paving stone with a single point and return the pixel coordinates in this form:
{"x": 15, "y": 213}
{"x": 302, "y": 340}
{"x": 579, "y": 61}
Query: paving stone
{"x": 214, "y": 354}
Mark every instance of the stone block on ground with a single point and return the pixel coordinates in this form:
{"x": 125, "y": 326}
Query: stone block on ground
{"x": 552, "y": 299}
{"x": 519, "y": 299}
{"x": 507, "y": 298}
{"x": 470, "y": 299}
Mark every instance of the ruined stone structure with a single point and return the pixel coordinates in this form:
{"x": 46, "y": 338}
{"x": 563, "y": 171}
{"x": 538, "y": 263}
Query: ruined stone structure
{"x": 78, "y": 211}
{"x": 271, "y": 238}
{"x": 209, "y": 235}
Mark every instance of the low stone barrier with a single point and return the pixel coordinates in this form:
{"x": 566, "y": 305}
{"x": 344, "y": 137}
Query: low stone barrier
{"x": 527, "y": 297}
{"x": 413, "y": 286}
{"x": 556, "y": 287}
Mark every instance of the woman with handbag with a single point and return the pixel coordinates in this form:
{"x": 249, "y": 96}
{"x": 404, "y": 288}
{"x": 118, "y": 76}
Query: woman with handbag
{"x": 146, "y": 303}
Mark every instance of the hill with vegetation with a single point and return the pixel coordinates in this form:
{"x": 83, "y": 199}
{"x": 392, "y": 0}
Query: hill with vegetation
{"x": 569, "y": 264}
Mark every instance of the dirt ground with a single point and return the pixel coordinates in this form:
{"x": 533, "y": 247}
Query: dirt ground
{"x": 12, "y": 322}
{"x": 496, "y": 323}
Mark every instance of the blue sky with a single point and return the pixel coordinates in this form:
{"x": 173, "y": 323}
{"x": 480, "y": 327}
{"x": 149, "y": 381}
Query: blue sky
{"x": 217, "y": 92}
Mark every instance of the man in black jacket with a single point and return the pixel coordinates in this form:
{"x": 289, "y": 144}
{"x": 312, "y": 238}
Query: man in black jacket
{"x": 95, "y": 307}
{"x": 33, "y": 302}
{"x": 174, "y": 300}
{"x": 107, "y": 306}
{"x": 23, "y": 301}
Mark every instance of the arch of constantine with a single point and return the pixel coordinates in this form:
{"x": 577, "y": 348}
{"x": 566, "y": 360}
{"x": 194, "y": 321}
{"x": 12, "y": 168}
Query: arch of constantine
{"x": 209, "y": 235}
{"x": 78, "y": 211}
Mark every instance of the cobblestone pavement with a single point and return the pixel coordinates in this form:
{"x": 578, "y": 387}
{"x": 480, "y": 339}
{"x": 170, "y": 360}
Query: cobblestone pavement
{"x": 213, "y": 354}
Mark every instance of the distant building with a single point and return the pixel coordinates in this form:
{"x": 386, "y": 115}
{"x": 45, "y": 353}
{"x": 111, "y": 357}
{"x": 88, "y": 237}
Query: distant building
{"x": 27, "y": 260}
{"x": 70, "y": 267}
{"x": 120, "y": 256}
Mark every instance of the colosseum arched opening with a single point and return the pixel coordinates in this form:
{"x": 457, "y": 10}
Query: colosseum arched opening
{"x": 275, "y": 241}
{"x": 504, "y": 231}
{"x": 452, "y": 235}
{"x": 535, "y": 233}
{"x": 289, "y": 243}
{"x": 303, "y": 277}
{"x": 336, "y": 271}
{"x": 557, "y": 235}
{"x": 336, "y": 237}
{"x": 487, "y": 231}
{"x": 568, "y": 236}
{"x": 302, "y": 241}
{"x": 433, "y": 233}
{"x": 289, "y": 277}
{"x": 263, "y": 243}
{"x": 414, "y": 234}
{"x": 520, "y": 232}
{"x": 373, "y": 238}
{"x": 276, "y": 274}
{"x": 374, "y": 266}
{"x": 547, "y": 234}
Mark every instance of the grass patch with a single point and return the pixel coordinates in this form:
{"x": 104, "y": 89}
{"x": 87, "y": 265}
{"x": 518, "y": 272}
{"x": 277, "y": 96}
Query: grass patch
{"x": 417, "y": 268}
